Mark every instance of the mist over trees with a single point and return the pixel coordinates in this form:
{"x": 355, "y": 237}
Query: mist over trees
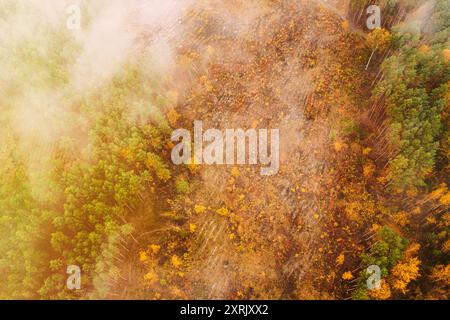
{"x": 86, "y": 177}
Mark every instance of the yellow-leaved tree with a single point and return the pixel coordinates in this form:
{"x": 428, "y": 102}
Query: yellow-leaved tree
{"x": 405, "y": 272}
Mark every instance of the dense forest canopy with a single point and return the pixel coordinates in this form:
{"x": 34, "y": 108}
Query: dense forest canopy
{"x": 87, "y": 180}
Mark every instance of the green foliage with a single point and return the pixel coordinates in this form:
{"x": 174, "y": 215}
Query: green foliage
{"x": 103, "y": 191}
{"x": 415, "y": 123}
{"x": 23, "y": 225}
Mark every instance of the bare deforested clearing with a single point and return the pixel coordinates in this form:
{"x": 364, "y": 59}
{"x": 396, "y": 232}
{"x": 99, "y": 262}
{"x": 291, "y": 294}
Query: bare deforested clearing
{"x": 87, "y": 169}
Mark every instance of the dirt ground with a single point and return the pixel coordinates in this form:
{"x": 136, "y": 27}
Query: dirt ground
{"x": 260, "y": 64}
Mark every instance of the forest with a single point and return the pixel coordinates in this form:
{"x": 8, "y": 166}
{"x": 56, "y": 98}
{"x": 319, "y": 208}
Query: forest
{"x": 87, "y": 178}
